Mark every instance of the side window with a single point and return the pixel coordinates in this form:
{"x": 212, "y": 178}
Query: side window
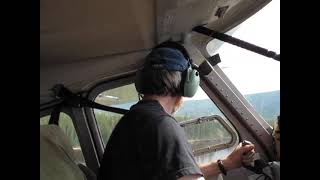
{"x": 66, "y": 124}
{"x": 205, "y": 125}
{"x": 208, "y": 134}
{"x": 122, "y": 97}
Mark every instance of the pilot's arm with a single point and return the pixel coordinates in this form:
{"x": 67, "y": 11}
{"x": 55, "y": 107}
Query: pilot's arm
{"x": 233, "y": 161}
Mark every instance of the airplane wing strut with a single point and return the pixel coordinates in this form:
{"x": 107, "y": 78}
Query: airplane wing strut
{"x": 237, "y": 42}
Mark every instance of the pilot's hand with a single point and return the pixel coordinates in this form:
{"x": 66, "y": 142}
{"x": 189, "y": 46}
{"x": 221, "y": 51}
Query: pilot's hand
{"x": 239, "y": 155}
{"x": 248, "y": 157}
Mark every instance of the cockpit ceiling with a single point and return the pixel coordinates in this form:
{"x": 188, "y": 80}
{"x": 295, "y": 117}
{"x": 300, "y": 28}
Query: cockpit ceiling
{"x": 84, "y": 41}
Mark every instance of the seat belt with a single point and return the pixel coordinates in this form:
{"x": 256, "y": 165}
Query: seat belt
{"x": 54, "y": 116}
{"x": 77, "y": 101}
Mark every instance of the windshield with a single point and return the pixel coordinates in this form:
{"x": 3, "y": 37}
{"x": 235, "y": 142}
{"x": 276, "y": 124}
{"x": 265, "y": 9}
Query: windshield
{"x": 255, "y": 76}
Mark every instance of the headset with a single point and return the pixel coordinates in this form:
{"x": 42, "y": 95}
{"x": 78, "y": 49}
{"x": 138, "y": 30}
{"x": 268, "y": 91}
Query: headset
{"x": 191, "y": 78}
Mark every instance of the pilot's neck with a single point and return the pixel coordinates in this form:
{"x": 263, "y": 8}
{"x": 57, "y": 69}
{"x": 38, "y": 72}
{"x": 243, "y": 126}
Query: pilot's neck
{"x": 168, "y": 103}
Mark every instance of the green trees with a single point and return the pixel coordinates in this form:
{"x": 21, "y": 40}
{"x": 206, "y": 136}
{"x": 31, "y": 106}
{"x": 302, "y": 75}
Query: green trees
{"x": 106, "y": 122}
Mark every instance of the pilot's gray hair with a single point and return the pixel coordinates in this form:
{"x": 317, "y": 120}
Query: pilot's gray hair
{"x": 161, "y": 82}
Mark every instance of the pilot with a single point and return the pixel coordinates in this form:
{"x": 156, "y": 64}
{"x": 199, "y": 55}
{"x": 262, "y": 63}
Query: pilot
{"x": 148, "y": 143}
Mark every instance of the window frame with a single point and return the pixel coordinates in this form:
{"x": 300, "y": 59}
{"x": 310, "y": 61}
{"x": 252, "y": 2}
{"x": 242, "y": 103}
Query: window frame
{"x": 214, "y": 147}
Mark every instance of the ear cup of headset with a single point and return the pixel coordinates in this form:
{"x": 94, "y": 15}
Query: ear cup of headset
{"x": 192, "y": 78}
{"x": 191, "y": 82}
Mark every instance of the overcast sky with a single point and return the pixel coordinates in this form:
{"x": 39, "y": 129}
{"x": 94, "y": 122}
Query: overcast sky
{"x": 250, "y": 72}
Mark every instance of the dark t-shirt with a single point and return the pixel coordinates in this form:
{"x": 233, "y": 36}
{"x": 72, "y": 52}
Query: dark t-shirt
{"x": 147, "y": 143}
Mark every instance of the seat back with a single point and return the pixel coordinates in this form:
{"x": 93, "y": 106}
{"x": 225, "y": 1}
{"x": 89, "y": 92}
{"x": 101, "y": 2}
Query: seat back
{"x": 57, "y": 161}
